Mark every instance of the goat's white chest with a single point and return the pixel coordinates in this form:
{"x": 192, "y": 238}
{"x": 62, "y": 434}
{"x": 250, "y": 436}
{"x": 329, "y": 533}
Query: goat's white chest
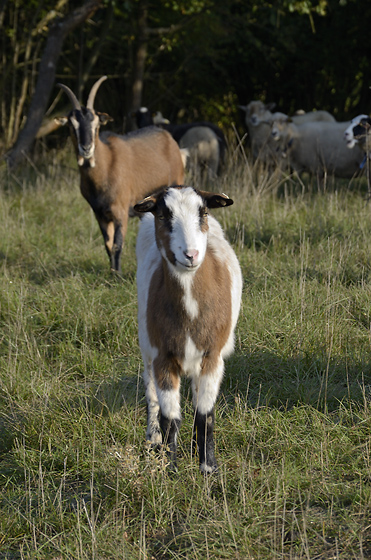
{"x": 193, "y": 357}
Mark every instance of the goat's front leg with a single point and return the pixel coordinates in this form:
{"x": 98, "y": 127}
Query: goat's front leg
{"x": 118, "y": 241}
{"x": 113, "y": 232}
{"x": 204, "y": 428}
{"x": 153, "y": 434}
{"x": 168, "y": 393}
{"x": 170, "y": 429}
{"x": 205, "y": 391}
{"x": 121, "y": 226}
{"x": 108, "y": 231}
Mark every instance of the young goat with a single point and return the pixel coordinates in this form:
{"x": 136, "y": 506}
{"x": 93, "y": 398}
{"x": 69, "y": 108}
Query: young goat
{"x": 117, "y": 171}
{"x": 189, "y": 292}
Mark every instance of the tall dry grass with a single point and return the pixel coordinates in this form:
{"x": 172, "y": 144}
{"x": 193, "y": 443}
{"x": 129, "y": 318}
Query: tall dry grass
{"x": 293, "y": 417}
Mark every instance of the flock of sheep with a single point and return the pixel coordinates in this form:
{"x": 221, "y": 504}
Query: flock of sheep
{"x": 311, "y": 142}
{"x": 184, "y": 263}
{"x": 189, "y": 281}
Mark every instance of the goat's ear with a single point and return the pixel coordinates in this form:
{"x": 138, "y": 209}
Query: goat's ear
{"x": 148, "y": 204}
{"x": 104, "y": 118}
{"x": 270, "y": 106}
{"x": 61, "y": 120}
{"x": 214, "y": 200}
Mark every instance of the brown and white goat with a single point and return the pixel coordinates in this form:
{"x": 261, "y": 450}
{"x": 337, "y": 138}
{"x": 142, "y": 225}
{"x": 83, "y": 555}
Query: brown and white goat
{"x": 117, "y": 171}
{"x": 189, "y": 292}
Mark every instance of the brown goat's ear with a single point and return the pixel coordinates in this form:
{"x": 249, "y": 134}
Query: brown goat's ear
{"x": 214, "y": 200}
{"x": 148, "y": 204}
{"x": 61, "y": 120}
{"x": 104, "y": 118}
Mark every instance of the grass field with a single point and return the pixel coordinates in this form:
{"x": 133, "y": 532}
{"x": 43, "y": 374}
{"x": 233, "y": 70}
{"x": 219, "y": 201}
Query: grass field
{"x": 293, "y": 423}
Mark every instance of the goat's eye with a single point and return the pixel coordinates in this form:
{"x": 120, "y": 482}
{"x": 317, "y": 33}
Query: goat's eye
{"x": 161, "y": 217}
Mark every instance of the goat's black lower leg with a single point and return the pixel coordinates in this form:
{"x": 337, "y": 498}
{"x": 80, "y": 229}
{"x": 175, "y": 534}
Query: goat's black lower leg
{"x": 204, "y": 424}
{"x": 170, "y": 429}
{"x": 118, "y": 242}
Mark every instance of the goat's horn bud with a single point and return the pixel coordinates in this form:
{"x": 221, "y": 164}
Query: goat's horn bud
{"x": 93, "y": 92}
{"x": 75, "y": 102}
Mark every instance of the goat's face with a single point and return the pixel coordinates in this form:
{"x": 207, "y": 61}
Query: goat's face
{"x": 84, "y": 123}
{"x": 181, "y": 224}
{"x": 84, "y": 126}
{"x": 276, "y": 131}
{"x": 257, "y": 112}
{"x": 356, "y": 129}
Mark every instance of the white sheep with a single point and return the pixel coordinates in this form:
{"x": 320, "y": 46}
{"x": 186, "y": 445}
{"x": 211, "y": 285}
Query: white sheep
{"x": 204, "y": 151}
{"x": 189, "y": 292}
{"x": 312, "y": 116}
{"x": 116, "y": 171}
{"x": 259, "y": 119}
{"x": 316, "y": 147}
{"x": 204, "y": 140}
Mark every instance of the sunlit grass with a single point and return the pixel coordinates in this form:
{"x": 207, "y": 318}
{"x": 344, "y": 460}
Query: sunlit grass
{"x": 293, "y": 420}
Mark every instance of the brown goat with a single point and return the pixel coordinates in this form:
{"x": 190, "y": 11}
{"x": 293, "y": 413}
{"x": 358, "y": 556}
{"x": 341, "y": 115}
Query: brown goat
{"x": 117, "y": 171}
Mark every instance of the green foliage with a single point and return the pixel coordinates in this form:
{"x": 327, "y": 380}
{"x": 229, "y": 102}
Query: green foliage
{"x": 293, "y": 418}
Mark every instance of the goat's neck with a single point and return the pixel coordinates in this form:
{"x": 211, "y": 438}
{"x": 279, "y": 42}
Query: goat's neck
{"x": 181, "y": 291}
{"x": 177, "y": 283}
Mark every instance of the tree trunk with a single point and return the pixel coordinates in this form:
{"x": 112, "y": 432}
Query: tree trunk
{"x": 139, "y": 63}
{"x": 45, "y": 81}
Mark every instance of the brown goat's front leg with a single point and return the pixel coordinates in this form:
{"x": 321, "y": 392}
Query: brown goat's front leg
{"x": 108, "y": 231}
{"x": 118, "y": 241}
{"x": 113, "y": 240}
{"x": 120, "y": 227}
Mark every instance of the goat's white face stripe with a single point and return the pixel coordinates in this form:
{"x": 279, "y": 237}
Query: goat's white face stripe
{"x": 186, "y": 235}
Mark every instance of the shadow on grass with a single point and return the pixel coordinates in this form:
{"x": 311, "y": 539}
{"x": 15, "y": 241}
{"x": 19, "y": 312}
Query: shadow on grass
{"x": 264, "y": 378}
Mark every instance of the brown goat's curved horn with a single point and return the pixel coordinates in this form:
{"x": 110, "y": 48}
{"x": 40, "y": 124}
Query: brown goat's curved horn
{"x": 75, "y": 102}
{"x": 93, "y": 92}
